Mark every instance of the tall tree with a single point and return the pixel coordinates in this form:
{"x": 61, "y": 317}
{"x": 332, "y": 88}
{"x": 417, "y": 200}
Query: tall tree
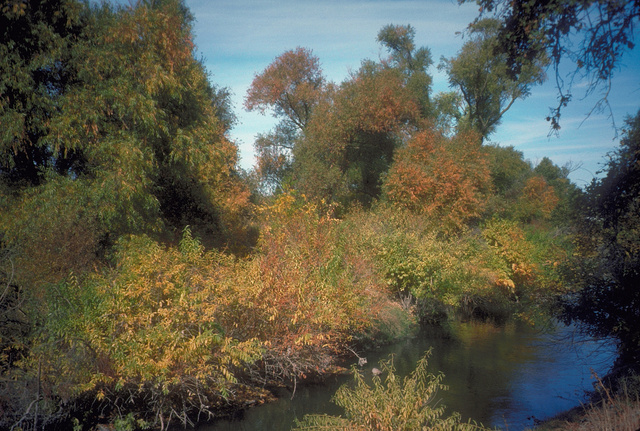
{"x": 608, "y": 269}
{"x": 482, "y": 77}
{"x": 413, "y": 63}
{"x": 148, "y": 129}
{"x": 35, "y": 41}
{"x": 122, "y": 133}
{"x": 291, "y": 87}
{"x": 591, "y": 35}
{"x": 350, "y": 140}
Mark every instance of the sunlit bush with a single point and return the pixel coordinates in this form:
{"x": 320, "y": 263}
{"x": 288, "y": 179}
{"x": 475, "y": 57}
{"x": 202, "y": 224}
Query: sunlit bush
{"x": 148, "y": 336}
{"x": 446, "y": 180}
{"x": 390, "y": 404}
{"x": 494, "y": 272}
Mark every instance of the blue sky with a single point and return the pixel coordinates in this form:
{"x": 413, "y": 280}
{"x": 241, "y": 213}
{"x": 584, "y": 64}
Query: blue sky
{"x": 239, "y": 38}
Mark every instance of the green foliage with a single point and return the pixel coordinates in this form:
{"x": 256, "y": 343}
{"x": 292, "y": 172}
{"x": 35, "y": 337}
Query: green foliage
{"x": 481, "y": 75}
{"x": 568, "y": 193}
{"x": 540, "y": 194}
{"x": 116, "y": 142}
{"x": 35, "y": 49}
{"x": 509, "y": 170}
{"x": 350, "y": 140}
{"x": 116, "y": 130}
{"x": 140, "y": 132}
{"x": 390, "y": 404}
{"x": 411, "y": 62}
{"x": 593, "y": 36}
{"x": 499, "y": 272}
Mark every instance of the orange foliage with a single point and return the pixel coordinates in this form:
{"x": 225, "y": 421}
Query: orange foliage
{"x": 291, "y": 85}
{"x": 350, "y": 139}
{"x": 444, "y": 179}
{"x": 305, "y": 294}
{"x": 537, "y": 201}
{"x": 376, "y": 102}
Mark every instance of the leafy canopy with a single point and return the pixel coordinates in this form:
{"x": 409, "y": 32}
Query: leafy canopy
{"x": 480, "y": 73}
{"x": 591, "y": 35}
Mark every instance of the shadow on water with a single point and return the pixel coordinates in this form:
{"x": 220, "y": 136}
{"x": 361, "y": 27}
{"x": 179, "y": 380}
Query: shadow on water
{"x": 502, "y": 376}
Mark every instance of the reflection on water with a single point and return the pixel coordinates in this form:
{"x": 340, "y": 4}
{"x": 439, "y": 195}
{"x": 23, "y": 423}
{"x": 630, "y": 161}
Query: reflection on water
{"x": 500, "y": 376}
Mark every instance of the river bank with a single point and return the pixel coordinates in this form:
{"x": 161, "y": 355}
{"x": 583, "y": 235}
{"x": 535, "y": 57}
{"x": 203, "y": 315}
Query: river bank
{"x": 614, "y": 405}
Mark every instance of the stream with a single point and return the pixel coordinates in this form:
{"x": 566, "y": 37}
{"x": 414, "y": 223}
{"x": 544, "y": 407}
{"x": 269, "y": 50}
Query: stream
{"x": 500, "y": 376}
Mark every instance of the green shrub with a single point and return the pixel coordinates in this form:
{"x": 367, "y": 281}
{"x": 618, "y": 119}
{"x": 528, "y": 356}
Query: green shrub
{"x": 497, "y": 271}
{"x": 390, "y": 404}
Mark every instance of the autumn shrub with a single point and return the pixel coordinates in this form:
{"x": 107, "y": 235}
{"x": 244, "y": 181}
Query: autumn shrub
{"x": 432, "y": 275}
{"x": 390, "y": 403}
{"x": 146, "y": 337}
{"x": 444, "y": 179}
{"x": 537, "y": 201}
{"x": 306, "y": 294}
{"x": 495, "y": 272}
{"x": 168, "y": 333}
{"x": 526, "y": 262}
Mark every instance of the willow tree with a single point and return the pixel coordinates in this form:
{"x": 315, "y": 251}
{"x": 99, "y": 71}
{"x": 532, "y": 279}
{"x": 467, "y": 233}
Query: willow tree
{"x": 115, "y": 130}
{"x": 481, "y": 74}
{"x": 135, "y": 140}
{"x": 35, "y": 41}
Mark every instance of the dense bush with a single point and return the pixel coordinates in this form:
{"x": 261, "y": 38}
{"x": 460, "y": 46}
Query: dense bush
{"x": 310, "y": 289}
{"x": 176, "y": 332}
{"x": 150, "y": 336}
{"x": 497, "y": 271}
{"x": 445, "y": 179}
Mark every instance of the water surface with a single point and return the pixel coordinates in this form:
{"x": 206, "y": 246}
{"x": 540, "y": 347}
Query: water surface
{"x": 501, "y": 376}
